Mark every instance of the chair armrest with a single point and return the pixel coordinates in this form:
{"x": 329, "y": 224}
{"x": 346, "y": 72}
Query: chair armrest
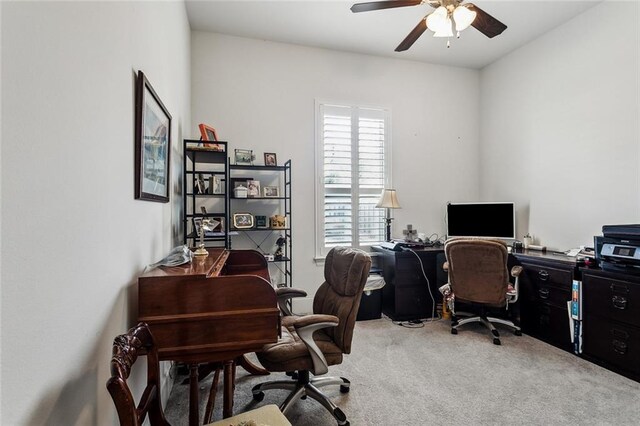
{"x": 445, "y": 266}
{"x": 516, "y": 271}
{"x": 284, "y": 294}
{"x": 305, "y": 327}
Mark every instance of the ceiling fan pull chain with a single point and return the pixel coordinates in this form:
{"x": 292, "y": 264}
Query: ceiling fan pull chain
{"x": 448, "y": 43}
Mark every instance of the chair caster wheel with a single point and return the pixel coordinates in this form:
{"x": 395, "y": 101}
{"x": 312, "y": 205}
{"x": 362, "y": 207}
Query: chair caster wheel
{"x": 454, "y": 331}
{"x": 258, "y": 396}
{"x": 344, "y": 389}
{"x": 518, "y": 332}
{"x": 496, "y": 341}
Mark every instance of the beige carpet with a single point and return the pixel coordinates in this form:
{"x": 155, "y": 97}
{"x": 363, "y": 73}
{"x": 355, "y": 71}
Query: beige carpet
{"x": 420, "y": 376}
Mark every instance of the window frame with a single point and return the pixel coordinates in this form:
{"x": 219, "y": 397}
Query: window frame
{"x": 320, "y": 250}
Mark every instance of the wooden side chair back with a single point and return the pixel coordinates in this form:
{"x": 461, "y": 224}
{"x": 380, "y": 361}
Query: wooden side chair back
{"x": 126, "y": 350}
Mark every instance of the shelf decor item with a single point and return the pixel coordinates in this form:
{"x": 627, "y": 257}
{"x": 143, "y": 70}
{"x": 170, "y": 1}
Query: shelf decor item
{"x": 240, "y": 191}
{"x": 253, "y": 188}
{"x": 153, "y": 140}
{"x": 271, "y": 192}
{"x": 278, "y": 222}
{"x": 261, "y": 222}
{"x": 244, "y": 157}
{"x": 270, "y": 159}
{"x": 208, "y": 133}
{"x": 242, "y": 220}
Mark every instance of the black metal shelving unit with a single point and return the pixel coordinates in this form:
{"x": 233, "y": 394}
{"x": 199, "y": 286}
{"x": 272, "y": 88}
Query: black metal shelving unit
{"x": 201, "y": 160}
{"x": 262, "y": 238}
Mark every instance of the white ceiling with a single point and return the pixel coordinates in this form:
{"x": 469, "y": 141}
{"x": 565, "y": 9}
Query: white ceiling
{"x": 330, "y": 24}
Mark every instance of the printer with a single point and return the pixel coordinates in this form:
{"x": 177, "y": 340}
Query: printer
{"x": 618, "y": 249}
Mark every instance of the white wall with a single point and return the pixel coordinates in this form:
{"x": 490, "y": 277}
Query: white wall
{"x": 73, "y": 237}
{"x": 560, "y": 127}
{"x": 260, "y": 95}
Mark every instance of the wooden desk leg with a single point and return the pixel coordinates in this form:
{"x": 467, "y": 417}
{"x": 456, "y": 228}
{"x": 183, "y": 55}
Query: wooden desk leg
{"x": 208, "y": 413}
{"x": 251, "y": 368}
{"x": 229, "y": 370}
{"x": 194, "y": 415}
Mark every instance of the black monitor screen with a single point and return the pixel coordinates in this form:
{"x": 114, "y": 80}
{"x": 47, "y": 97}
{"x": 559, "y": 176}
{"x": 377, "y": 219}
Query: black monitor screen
{"x": 481, "y": 220}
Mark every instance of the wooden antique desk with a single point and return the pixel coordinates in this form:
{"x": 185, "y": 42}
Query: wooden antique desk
{"x": 215, "y": 309}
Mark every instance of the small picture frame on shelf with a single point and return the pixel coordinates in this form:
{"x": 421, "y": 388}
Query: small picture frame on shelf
{"x": 218, "y": 223}
{"x": 244, "y": 157}
{"x": 271, "y": 192}
{"x": 208, "y": 133}
{"x": 253, "y": 188}
{"x": 243, "y": 220}
{"x": 198, "y": 185}
{"x": 261, "y": 222}
{"x": 215, "y": 185}
{"x": 270, "y": 159}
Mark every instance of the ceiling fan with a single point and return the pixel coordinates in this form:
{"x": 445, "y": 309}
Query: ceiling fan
{"x": 441, "y": 21}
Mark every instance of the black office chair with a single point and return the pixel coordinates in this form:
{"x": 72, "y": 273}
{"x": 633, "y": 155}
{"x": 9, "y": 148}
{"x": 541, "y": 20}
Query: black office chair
{"x": 478, "y": 277}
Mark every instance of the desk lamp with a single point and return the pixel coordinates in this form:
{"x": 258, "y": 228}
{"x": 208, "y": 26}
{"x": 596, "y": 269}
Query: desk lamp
{"x": 388, "y": 200}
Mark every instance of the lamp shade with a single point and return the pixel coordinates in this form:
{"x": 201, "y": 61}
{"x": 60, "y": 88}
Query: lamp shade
{"x": 463, "y": 17}
{"x": 437, "y": 20}
{"x": 389, "y": 199}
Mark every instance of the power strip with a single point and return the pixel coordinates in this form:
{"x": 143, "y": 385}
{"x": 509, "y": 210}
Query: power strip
{"x": 535, "y": 247}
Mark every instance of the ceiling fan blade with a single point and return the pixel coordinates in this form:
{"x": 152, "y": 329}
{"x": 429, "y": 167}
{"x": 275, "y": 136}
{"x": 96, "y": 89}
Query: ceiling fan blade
{"x": 377, "y": 5}
{"x": 413, "y": 36}
{"x": 485, "y": 23}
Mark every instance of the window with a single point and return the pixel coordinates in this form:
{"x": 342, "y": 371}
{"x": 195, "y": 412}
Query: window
{"x": 352, "y": 169}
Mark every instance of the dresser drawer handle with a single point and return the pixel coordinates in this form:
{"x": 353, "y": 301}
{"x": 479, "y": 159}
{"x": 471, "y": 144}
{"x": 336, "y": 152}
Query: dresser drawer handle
{"x": 620, "y": 334}
{"x": 544, "y": 293}
{"x": 619, "y": 302}
{"x": 616, "y": 288}
{"x": 543, "y": 275}
{"x": 619, "y": 346}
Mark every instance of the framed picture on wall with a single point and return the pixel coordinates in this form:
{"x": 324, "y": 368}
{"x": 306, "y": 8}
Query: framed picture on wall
{"x": 152, "y": 140}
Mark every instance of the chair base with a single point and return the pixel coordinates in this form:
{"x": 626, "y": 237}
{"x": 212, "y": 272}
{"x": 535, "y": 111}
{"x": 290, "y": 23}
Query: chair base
{"x": 304, "y": 387}
{"x": 487, "y": 321}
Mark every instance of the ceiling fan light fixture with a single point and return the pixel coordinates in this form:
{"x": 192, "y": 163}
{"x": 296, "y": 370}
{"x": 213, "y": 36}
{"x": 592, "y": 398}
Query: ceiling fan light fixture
{"x": 445, "y": 31}
{"x": 463, "y": 17}
{"x": 438, "y": 20}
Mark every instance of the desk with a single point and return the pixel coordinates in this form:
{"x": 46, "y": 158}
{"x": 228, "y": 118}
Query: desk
{"x": 213, "y": 310}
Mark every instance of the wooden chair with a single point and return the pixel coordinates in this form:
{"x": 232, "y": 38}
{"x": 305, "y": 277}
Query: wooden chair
{"x": 126, "y": 349}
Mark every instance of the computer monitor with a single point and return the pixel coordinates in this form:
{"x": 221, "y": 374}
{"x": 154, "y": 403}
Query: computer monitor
{"x": 492, "y": 219}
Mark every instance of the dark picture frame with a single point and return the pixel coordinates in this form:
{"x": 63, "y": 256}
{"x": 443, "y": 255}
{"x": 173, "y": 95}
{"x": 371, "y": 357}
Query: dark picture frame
{"x": 152, "y": 144}
{"x": 270, "y": 159}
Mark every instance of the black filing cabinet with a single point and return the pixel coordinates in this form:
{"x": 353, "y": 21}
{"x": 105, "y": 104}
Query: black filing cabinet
{"x": 611, "y": 332}
{"x": 406, "y": 294}
{"x": 545, "y": 289}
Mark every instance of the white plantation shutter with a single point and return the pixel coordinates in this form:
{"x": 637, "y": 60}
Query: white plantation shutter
{"x": 352, "y": 167}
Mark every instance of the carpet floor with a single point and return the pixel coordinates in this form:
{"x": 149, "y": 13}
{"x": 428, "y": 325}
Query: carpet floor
{"x": 419, "y": 376}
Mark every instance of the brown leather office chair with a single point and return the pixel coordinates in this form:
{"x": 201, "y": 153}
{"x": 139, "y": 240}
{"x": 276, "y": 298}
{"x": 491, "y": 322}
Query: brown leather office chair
{"x": 311, "y": 343}
{"x": 126, "y": 349}
{"x": 478, "y": 277}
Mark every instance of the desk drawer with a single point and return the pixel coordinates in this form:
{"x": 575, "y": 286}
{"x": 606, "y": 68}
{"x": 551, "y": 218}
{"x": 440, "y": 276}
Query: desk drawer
{"x": 550, "y": 324}
{"x": 612, "y": 299}
{"x": 614, "y": 343}
{"x": 548, "y": 276}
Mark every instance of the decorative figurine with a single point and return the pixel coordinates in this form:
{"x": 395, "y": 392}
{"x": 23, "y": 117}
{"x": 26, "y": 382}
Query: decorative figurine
{"x": 280, "y": 242}
{"x": 205, "y": 226}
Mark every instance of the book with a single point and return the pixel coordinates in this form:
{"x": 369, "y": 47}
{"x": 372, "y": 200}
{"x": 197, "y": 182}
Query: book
{"x": 576, "y": 300}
